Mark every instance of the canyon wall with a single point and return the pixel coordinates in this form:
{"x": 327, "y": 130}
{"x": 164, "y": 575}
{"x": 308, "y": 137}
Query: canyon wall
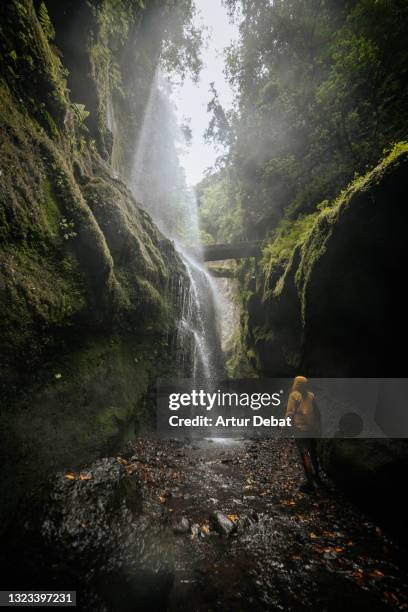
{"x": 89, "y": 288}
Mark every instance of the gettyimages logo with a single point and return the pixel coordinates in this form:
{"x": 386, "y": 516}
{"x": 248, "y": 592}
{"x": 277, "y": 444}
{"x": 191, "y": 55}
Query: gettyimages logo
{"x": 320, "y": 407}
{"x": 209, "y": 400}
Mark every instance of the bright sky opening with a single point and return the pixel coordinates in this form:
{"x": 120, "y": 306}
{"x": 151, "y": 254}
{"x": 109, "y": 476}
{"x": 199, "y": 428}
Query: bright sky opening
{"x": 192, "y": 98}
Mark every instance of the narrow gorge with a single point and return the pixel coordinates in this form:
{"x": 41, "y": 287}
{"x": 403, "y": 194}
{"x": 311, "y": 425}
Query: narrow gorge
{"x": 110, "y": 198}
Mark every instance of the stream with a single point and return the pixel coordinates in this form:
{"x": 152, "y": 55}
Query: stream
{"x": 288, "y": 551}
{"x": 213, "y": 524}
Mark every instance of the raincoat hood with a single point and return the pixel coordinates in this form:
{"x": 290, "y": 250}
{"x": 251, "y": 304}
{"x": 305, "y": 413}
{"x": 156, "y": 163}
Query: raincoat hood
{"x": 300, "y": 384}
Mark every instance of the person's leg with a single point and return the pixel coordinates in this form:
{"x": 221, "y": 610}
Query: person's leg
{"x": 308, "y": 466}
{"x": 315, "y": 463}
{"x": 302, "y": 445}
{"x": 314, "y": 459}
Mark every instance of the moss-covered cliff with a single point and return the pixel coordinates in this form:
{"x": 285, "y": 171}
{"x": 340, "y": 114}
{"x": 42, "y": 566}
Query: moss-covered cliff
{"x": 86, "y": 280}
{"x": 329, "y": 302}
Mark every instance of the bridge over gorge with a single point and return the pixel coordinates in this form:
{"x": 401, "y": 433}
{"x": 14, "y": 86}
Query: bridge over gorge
{"x": 239, "y": 250}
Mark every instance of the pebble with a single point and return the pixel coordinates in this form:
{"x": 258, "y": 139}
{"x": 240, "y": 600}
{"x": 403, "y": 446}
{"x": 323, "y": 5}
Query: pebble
{"x": 222, "y": 523}
{"x": 182, "y": 526}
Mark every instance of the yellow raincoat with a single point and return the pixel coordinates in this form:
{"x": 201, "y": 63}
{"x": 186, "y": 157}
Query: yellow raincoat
{"x": 302, "y": 408}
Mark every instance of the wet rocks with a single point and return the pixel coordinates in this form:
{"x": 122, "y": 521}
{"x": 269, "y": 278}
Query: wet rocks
{"x": 222, "y": 524}
{"x": 182, "y": 526}
{"x": 94, "y": 529}
{"x": 85, "y": 506}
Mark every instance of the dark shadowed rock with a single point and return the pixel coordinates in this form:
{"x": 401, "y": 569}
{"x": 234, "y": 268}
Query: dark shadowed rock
{"x": 182, "y": 526}
{"x": 94, "y": 532}
{"x": 222, "y": 523}
{"x": 335, "y": 310}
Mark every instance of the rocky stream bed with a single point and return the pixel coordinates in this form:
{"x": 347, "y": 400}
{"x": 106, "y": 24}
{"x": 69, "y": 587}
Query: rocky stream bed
{"x": 213, "y": 524}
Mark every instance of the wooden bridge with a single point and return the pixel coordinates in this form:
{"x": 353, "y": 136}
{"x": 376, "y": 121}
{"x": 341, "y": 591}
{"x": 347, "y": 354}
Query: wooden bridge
{"x": 239, "y": 250}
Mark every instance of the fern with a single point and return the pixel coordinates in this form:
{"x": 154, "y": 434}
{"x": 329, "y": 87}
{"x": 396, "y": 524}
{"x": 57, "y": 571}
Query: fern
{"x": 80, "y": 112}
{"x": 45, "y": 22}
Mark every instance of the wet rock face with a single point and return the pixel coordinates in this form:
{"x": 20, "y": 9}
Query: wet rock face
{"x": 222, "y": 524}
{"x": 87, "y": 510}
{"x": 94, "y": 532}
{"x": 88, "y": 286}
{"x": 349, "y": 279}
{"x": 336, "y": 309}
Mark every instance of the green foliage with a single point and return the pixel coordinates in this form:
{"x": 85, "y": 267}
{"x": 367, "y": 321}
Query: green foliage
{"x": 45, "y": 21}
{"x": 127, "y": 42}
{"x": 285, "y": 237}
{"x": 182, "y": 40}
{"x": 67, "y": 229}
{"x": 31, "y": 69}
{"x": 294, "y": 232}
{"x": 80, "y": 112}
{"x": 321, "y": 91}
{"x": 395, "y": 151}
{"x": 220, "y": 218}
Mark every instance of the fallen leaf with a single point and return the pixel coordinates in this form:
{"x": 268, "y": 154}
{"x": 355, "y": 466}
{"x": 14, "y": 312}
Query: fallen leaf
{"x": 70, "y": 475}
{"x": 391, "y": 596}
{"x": 376, "y": 573}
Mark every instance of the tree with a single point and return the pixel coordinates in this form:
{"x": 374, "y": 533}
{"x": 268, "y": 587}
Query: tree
{"x": 321, "y": 91}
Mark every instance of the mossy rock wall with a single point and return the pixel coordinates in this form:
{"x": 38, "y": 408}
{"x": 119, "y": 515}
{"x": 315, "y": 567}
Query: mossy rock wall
{"x": 337, "y": 310}
{"x": 87, "y": 300}
{"x": 336, "y": 307}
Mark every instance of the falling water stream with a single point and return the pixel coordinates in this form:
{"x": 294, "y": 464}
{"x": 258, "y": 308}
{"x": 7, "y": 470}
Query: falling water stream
{"x": 158, "y": 182}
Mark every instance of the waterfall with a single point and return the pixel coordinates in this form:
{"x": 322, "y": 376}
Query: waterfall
{"x": 158, "y": 182}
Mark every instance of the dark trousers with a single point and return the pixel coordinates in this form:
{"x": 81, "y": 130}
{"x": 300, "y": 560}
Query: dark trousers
{"x": 307, "y": 446}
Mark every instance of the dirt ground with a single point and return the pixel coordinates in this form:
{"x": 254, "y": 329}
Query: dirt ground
{"x": 287, "y": 550}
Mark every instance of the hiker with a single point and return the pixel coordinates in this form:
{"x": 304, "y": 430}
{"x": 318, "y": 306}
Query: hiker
{"x": 306, "y": 420}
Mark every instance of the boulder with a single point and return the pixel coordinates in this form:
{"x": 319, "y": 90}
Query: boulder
{"x": 92, "y": 532}
{"x": 222, "y": 524}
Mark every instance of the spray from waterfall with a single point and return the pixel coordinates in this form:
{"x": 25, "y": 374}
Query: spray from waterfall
{"x": 158, "y": 182}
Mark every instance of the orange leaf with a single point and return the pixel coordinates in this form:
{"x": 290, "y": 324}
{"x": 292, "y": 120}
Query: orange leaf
{"x": 205, "y": 529}
{"x": 376, "y": 574}
{"x": 233, "y": 517}
{"x": 70, "y": 475}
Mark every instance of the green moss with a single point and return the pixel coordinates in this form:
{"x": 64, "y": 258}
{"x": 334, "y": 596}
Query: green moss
{"x": 84, "y": 402}
{"x": 315, "y": 246}
{"x": 36, "y": 73}
{"x": 86, "y": 279}
{"x": 50, "y": 211}
{"x": 293, "y": 232}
